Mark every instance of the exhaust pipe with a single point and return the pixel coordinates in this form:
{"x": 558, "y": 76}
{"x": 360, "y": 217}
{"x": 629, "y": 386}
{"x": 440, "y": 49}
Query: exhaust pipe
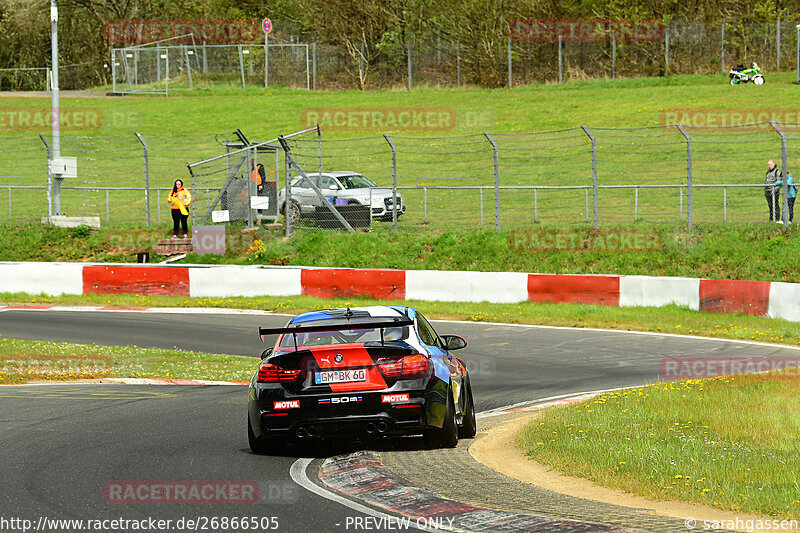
{"x": 301, "y": 433}
{"x": 371, "y": 428}
{"x": 313, "y": 431}
{"x": 382, "y": 427}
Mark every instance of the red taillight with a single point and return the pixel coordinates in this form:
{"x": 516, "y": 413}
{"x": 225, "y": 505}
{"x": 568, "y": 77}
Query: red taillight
{"x": 410, "y": 366}
{"x": 269, "y": 373}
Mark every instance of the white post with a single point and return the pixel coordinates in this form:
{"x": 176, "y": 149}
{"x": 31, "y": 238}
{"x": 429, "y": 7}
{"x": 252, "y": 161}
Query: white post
{"x": 55, "y": 106}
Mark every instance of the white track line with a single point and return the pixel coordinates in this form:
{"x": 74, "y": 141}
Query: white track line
{"x": 501, "y": 410}
{"x": 230, "y": 311}
{"x": 601, "y": 330}
{"x": 299, "y": 476}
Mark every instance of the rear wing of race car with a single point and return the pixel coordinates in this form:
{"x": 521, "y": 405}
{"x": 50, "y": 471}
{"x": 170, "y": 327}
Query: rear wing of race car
{"x": 378, "y": 322}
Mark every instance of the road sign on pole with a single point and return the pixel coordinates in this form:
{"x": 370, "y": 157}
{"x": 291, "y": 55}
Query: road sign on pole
{"x": 266, "y": 25}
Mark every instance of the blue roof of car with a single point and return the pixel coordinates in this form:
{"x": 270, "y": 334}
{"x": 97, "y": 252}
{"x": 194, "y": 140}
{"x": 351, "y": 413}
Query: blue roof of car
{"x": 328, "y": 314}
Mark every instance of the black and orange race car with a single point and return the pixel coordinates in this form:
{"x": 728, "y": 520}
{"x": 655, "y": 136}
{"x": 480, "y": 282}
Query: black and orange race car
{"x": 360, "y": 372}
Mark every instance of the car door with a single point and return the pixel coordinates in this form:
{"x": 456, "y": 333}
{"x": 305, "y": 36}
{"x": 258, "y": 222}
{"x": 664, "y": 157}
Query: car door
{"x": 435, "y": 346}
{"x": 329, "y": 187}
{"x": 304, "y": 195}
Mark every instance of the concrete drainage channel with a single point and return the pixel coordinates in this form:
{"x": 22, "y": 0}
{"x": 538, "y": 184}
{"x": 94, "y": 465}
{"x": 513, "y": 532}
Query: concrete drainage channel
{"x": 402, "y": 487}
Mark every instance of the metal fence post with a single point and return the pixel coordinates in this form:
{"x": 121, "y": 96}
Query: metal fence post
{"x": 510, "y": 68}
{"x": 188, "y": 65}
{"x": 778, "y": 45}
{"x": 191, "y": 173}
{"x": 595, "y": 195}
{"x": 49, "y": 183}
{"x": 361, "y": 66}
{"x": 266, "y": 60}
{"x": 314, "y": 62}
{"x": 146, "y": 178}
{"x": 458, "y": 64}
{"x": 319, "y": 149}
{"x": 241, "y": 65}
{"x": 408, "y": 48}
{"x": 394, "y": 183}
{"x": 689, "y": 205}
{"x": 287, "y": 205}
{"x": 797, "y": 38}
{"x": 496, "y": 181}
{"x": 785, "y": 171}
{"x": 722, "y": 55}
{"x": 613, "y": 56}
{"x": 205, "y": 59}
{"x": 560, "y": 62}
{"x": 666, "y": 48}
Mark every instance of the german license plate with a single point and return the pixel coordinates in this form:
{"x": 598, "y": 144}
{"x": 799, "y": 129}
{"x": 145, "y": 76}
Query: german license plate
{"x": 340, "y": 376}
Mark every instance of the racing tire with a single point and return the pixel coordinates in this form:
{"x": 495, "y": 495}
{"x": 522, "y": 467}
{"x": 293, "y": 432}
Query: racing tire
{"x": 758, "y": 80}
{"x": 734, "y": 81}
{"x": 447, "y": 436}
{"x": 293, "y": 209}
{"x": 469, "y": 426}
{"x": 261, "y": 445}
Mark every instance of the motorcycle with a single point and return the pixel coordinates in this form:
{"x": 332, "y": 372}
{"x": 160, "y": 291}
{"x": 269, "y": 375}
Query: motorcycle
{"x": 739, "y": 74}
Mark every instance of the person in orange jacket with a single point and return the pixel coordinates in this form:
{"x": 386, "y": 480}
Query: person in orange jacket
{"x": 179, "y": 199}
{"x": 258, "y": 175}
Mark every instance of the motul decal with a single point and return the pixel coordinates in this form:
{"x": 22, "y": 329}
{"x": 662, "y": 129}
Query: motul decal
{"x": 393, "y": 398}
{"x": 286, "y": 404}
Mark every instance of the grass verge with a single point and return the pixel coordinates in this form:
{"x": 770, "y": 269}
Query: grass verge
{"x": 754, "y": 251}
{"x": 669, "y": 319}
{"x": 612, "y": 103}
{"x": 25, "y": 361}
{"x": 729, "y": 442}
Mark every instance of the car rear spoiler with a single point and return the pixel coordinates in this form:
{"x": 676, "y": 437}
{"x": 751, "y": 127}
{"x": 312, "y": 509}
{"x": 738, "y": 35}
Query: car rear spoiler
{"x": 378, "y": 322}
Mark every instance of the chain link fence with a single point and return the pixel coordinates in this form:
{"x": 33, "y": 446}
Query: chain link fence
{"x": 517, "y": 58}
{"x": 122, "y": 179}
{"x": 504, "y": 57}
{"x": 594, "y": 176}
{"x": 159, "y": 68}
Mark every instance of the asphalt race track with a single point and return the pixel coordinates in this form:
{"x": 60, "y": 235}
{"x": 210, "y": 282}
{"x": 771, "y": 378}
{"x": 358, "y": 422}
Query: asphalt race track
{"x": 64, "y": 445}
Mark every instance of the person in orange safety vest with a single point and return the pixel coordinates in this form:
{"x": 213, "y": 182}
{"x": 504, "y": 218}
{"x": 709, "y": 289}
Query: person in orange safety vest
{"x": 179, "y": 199}
{"x": 258, "y": 175}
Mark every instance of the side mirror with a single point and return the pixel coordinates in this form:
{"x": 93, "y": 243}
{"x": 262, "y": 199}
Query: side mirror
{"x": 454, "y": 342}
{"x": 266, "y": 353}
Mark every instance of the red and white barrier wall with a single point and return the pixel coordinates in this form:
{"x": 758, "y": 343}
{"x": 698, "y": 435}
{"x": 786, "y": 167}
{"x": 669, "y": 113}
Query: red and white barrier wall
{"x": 762, "y": 298}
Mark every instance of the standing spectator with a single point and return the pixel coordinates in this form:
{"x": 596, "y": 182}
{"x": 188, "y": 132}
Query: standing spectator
{"x": 179, "y": 199}
{"x": 771, "y": 192}
{"x": 791, "y": 194}
{"x": 258, "y": 175}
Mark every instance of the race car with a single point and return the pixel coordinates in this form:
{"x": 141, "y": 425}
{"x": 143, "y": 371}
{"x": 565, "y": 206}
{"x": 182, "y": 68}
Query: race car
{"x": 359, "y": 373}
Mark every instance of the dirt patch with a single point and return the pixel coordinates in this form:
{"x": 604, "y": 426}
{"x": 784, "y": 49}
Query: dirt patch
{"x": 497, "y": 451}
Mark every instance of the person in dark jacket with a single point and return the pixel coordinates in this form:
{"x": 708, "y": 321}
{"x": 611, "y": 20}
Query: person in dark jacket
{"x": 771, "y": 192}
{"x": 791, "y": 194}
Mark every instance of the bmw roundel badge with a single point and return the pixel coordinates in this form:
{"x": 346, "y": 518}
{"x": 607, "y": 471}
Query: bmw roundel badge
{"x": 338, "y": 358}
